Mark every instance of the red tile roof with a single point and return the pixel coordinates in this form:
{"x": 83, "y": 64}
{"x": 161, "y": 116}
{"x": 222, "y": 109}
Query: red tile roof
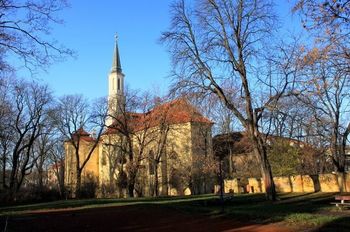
{"x": 173, "y": 112}
{"x": 83, "y": 135}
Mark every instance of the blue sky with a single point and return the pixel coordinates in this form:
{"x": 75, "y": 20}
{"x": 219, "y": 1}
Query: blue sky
{"x": 89, "y": 29}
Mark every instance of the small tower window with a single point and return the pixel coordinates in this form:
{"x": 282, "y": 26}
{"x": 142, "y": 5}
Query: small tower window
{"x": 118, "y": 84}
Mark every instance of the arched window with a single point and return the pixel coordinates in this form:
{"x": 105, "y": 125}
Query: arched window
{"x": 118, "y": 84}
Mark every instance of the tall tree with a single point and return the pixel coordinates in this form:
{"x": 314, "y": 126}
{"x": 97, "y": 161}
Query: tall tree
{"x": 41, "y": 149}
{"x": 326, "y": 94}
{"x": 73, "y": 116}
{"x": 218, "y": 41}
{"x": 160, "y": 136}
{"x": 57, "y": 157}
{"x": 329, "y": 24}
{"x": 327, "y": 68}
{"x": 28, "y": 104}
{"x": 131, "y": 122}
{"x": 114, "y": 158}
{"x": 6, "y": 132}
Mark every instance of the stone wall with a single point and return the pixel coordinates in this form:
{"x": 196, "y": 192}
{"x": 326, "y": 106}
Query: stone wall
{"x": 329, "y": 183}
{"x": 231, "y": 186}
{"x": 283, "y": 184}
{"x": 298, "y": 183}
{"x": 309, "y": 184}
{"x": 254, "y": 185}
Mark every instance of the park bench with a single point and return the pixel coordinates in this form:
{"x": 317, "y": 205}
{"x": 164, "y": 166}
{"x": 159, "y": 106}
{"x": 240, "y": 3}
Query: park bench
{"x": 343, "y": 201}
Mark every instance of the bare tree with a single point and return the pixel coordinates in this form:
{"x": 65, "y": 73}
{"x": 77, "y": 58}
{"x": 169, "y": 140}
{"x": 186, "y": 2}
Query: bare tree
{"x": 24, "y": 27}
{"x": 114, "y": 156}
{"x": 57, "y": 158}
{"x": 41, "y": 150}
{"x": 132, "y": 123}
{"x": 160, "y": 135}
{"x": 326, "y": 93}
{"x": 6, "y": 133}
{"x": 73, "y": 116}
{"x": 327, "y": 70}
{"x": 215, "y": 110}
{"x": 123, "y": 128}
{"x": 328, "y": 22}
{"x": 27, "y": 105}
{"x": 218, "y": 41}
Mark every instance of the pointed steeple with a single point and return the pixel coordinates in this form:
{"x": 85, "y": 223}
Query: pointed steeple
{"x": 115, "y": 85}
{"x": 116, "y": 65}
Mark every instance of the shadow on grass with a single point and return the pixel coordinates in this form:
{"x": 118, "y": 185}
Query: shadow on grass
{"x": 340, "y": 224}
{"x": 310, "y": 209}
{"x": 141, "y": 217}
{"x": 256, "y": 208}
{"x": 75, "y": 203}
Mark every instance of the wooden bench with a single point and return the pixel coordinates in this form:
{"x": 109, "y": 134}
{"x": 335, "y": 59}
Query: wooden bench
{"x": 343, "y": 201}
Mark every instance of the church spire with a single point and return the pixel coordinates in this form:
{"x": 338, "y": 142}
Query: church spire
{"x": 115, "y": 86}
{"x": 116, "y": 65}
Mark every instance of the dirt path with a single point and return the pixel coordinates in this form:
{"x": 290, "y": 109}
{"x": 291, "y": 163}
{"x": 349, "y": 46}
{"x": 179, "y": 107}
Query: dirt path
{"x": 130, "y": 218}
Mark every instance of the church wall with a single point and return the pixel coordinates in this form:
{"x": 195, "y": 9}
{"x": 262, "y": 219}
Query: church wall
{"x": 103, "y": 163}
{"x": 177, "y": 156}
{"x": 179, "y": 159}
{"x": 107, "y": 155}
{"x": 91, "y": 169}
{"x": 184, "y": 157}
{"x": 182, "y": 160}
{"x": 112, "y": 159}
{"x": 143, "y": 177}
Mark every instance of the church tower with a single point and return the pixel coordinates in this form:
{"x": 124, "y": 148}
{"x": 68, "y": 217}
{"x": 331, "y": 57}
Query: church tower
{"x": 115, "y": 85}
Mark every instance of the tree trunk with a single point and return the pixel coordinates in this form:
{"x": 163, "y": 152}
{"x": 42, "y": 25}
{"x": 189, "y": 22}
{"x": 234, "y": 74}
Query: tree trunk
{"x": 111, "y": 184}
{"x": 265, "y": 167}
{"x": 4, "y": 171}
{"x": 60, "y": 183}
{"x": 60, "y": 179}
{"x": 14, "y": 171}
{"x": 156, "y": 180}
{"x": 222, "y": 186}
{"x": 12, "y": 192}
{"x": 268, "y": 179}
{"x": 131, "y": 187}
{"x": 342, "y": 161}
{"x": 40, "y": 179}
{"x": 342, "y": 181}
{"x": 78, "y": 185}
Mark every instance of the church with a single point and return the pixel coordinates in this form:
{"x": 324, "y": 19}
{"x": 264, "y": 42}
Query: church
{"x": 164, "y": 151}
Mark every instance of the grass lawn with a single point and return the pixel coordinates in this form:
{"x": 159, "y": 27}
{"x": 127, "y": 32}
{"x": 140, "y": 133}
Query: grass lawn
{"x": 306, "y": 211}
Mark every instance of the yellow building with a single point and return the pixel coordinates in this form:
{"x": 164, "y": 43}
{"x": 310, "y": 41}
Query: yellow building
{"x": 170, "y": 147}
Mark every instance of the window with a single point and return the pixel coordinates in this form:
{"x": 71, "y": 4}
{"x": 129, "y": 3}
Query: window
{"x": 118, "y": 84}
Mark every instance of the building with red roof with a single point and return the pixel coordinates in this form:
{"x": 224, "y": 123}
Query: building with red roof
{"x": 166, "y": 147}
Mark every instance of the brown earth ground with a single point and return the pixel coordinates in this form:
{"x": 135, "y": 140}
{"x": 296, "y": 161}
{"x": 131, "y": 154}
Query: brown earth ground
{"x": 130, "y": 218}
